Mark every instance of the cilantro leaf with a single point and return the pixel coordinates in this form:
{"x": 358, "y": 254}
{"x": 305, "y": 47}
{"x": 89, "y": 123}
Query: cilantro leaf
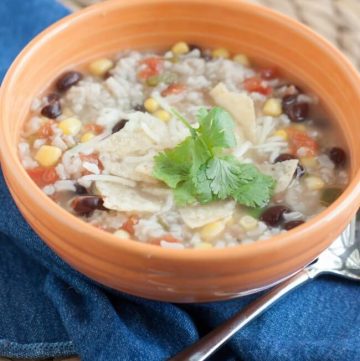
{"x": 202, "y": 185}
{"x": 223, "y": 175}
{"x": 198, "y": 171}
{"x": 173, "y": 166}
{"x": 254, "y": 212}
{"x": 217, "y": 128}
{"x": 256, "y": 192}
{"x": 201, "y": 113}
{"x": 200, "y": 154}
{"x": 184, "y": 193}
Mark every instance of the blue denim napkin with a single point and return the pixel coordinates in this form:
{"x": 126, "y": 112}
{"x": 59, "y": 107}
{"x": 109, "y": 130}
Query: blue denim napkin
{"x": 47, "y": 309}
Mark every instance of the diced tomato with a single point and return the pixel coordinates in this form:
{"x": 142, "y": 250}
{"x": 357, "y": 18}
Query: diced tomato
{"x": 255, "y": 85}
{"x": 43, "y": 176}
{"x": 167, "y": 237}
{"x": 46, "y": 130}
{"x": 128, "y": 226}
{"x": 94, "y": 128}
{"x": 173, "y": 89}
{"x": 153, "y": 67}
{"x": 153, "y": 62}
{"x": 92, "y": 158}
{"x": 268, "y": 73}
{"x": 300, "y": 139}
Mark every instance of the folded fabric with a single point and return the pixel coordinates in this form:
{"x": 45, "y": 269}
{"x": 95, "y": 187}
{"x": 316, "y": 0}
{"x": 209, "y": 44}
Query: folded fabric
{"x": 48, "y": 309}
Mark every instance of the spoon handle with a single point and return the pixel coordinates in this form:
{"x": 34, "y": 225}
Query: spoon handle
{"x": 206, "y": 346}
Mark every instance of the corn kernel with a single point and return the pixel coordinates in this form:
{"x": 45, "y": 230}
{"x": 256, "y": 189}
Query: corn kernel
{"x": 212, "y": 230}
{"x": 70, "y": 126}
{"x": 314, "y": 183}
{"x": 162, "y": 115}
{"x": 122, "y": 234}
{"x": 272, "y": 107}
{"x": 309, "y": 162}
{"x": 220, "y": 53}
{"x": 241, "y": 59}
{"x": 100, "y": 67}
{"x": 248, "y": 223}
{"x": 86, "y": 137}
{"x": 180, "y": 48}
{"x": 204, "y": 245}
{"x": 48, "y": 155}
{"x": 151, "y": 105}
{"x": 281, "y": 133}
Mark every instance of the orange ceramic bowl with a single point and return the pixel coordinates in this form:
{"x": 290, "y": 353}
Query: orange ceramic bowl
{"x": 147, "y": 270}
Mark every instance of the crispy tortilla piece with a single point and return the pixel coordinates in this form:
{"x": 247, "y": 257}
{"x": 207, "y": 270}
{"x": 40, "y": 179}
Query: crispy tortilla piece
{"x": 240, "y": 106}
{"x": 142, "y": 137}
{"x": 139, "y": 171}
{"x": 282, "y": 172}
{"x": 200, "y": 215}
{"x": 121, "y": 198}
{"x": 141, "y": 133}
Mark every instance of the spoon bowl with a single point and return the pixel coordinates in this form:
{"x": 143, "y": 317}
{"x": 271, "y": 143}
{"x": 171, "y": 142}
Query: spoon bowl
{"x": 341, "y": 258}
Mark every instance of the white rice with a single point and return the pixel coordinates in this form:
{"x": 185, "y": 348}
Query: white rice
{"x": 64, "y": 185}
{"x": 105, "y": 102}
{"x": 58, "y": 142}
{"x": 38, "y": 143}
{"x": 49, "y": 190}
{"x": 91, "y": 167}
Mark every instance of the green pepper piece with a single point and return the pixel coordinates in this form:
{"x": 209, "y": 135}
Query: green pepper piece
{"x": 330, "y": 195}
{"x": 169, "y": 78}
{"x": 254, "y": 212}
{"x": 153, "y": 80}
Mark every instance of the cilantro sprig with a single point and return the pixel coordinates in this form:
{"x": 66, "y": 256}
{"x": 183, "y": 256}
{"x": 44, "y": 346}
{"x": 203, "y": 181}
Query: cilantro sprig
{"x": 199, "y": 170}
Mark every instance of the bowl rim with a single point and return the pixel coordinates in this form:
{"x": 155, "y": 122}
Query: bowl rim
{"x": 277, "y": 242}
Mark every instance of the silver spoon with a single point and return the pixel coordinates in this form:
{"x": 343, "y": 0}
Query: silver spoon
{"x": 342, "y": 259}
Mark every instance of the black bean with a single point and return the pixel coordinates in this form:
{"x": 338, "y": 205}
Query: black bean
{"x": 289, "y": 100}
{"x": 195, "y": 46}
{"x": 300, "y": 171}
{"x": 85, "y": 205}
{"x": 139, "y": 108}
{"x": 283, "y": 157}
{"x": 52, "y": 97}
{"x": 107, "y": 75}
{"x": 292, "y": 224}
{"x": 273, "y": 216}
{"x": 297, "y": 112}
{"x": 119, "y": 125}
{"x": 206, "y": 56}
{"x": 80, "y": 190}
{"x": 52, "y": 110}
{"x": 67, "y": 80}
{"x": 338, "y": 156}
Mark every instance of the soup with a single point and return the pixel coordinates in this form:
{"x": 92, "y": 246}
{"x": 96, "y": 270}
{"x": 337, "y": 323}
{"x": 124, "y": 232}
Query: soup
{"x": 190, "y": 148}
